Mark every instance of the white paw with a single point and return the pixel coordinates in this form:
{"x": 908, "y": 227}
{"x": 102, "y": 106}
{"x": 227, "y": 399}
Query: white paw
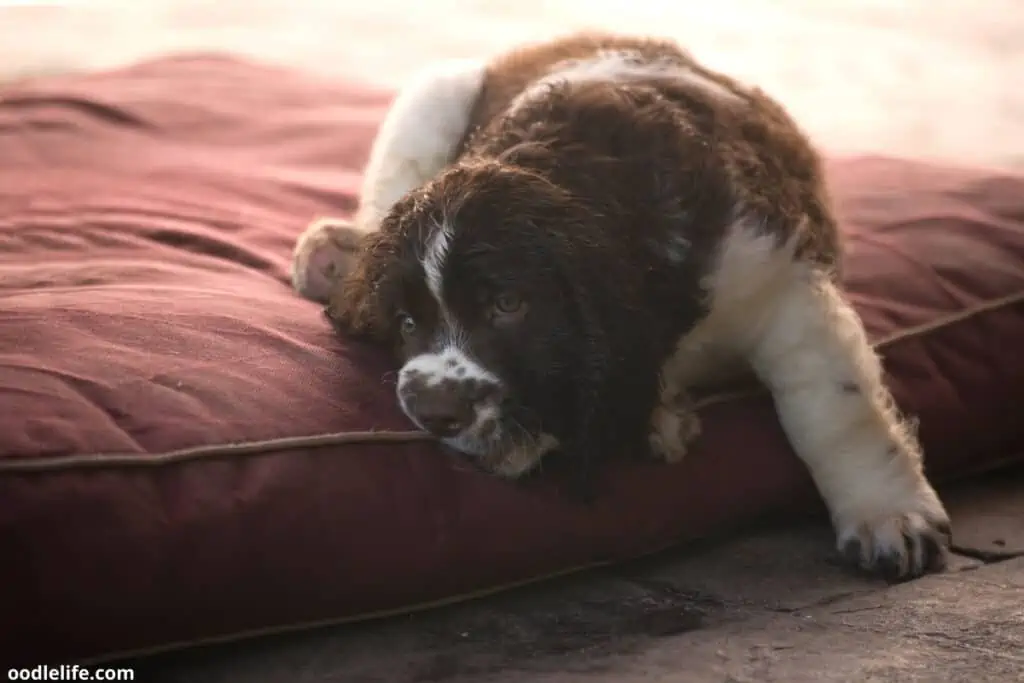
{"x": 323, "y": 254}
{"x": 673, "y": 425}
{"x": 904, "y": 540}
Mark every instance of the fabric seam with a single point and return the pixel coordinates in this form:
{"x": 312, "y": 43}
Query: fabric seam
{"x": 28, "y": 464}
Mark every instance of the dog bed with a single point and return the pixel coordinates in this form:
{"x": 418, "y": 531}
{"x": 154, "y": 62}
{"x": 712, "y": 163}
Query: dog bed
{"x": 187, "y": 453}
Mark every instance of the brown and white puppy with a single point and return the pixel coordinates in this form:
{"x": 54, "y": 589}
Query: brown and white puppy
{"x": 561, "y": 242}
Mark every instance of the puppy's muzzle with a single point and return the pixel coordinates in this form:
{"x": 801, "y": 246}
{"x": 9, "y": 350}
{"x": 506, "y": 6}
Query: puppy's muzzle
{"x": 444, "y": 400}
{"x": 444, "y": 411}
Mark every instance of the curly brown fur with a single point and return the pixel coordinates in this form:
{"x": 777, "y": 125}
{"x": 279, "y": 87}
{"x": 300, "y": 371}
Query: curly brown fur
{"x": 562, "y": 242}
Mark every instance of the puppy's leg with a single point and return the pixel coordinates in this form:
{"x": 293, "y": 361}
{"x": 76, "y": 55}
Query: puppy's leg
{"x": 416, "y": 140}
{"x": 674, "y": 423}
{"x": 324, "y": 252}
{"x": 419, "y": 135}
{"x": 700, "y": 361}
{"x": 812, "y": 352}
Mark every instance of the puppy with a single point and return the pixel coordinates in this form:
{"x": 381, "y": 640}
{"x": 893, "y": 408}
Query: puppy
{"x": 560, "y": 243}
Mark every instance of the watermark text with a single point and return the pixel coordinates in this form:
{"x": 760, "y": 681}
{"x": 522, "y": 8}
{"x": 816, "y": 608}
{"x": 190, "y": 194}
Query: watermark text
{"x": 69, "y": 672}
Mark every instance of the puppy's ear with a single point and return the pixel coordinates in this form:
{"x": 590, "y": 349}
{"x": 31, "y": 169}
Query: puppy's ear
{"x": 590, "y": 445}
{"x": 324, "y": 254}
{"x": 359, "y": 302}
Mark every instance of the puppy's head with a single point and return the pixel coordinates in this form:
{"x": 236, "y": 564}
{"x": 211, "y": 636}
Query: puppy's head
{"x": 476, "y": 281}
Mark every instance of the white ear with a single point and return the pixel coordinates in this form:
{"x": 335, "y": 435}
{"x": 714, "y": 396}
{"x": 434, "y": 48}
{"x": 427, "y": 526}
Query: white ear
{"x": 324, "y": 253}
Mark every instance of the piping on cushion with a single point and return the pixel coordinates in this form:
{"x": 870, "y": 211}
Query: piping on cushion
{"x": 92, "y": 460}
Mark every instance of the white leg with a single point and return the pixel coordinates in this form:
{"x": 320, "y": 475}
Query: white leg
{"x": 807, "y": 344}
{"x": 827, "y": 383}
{"x": 416, "y": 140}
{"x": 419, "y": 135}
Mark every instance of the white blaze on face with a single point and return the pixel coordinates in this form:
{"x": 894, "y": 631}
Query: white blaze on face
{"x": 449, "y": 368}
{"x": 434, "y": 260}
{"x": 449, "y": 364}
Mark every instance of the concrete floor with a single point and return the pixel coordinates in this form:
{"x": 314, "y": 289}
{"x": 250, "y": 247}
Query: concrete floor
{"x": 768, "y": 606}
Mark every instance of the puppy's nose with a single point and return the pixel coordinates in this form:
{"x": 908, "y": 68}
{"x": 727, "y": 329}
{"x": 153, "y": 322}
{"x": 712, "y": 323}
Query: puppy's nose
{"x": 443, "y": 414}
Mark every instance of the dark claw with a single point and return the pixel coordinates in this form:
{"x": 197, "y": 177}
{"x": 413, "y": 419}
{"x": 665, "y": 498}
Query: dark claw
{"x": 935, "y": 554}
{"x": 888, "y": 567}
{"x": 852, "y": 552}
{"x": 929, "y": 547}
{"x": 913, "y": 542}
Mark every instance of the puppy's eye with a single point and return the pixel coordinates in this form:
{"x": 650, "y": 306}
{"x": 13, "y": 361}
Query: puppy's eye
{"x": 406, "y": 324}
{"x": 508, "y": 307}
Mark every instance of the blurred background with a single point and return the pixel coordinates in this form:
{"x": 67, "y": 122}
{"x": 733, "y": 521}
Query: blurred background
{"x": 936, "y": 79}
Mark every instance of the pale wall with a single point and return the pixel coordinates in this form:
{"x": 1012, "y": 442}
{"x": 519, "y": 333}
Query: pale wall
{"x": 941, "y": 78}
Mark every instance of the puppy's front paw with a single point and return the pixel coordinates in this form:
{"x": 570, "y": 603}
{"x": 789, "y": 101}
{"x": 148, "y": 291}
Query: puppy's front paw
{"x": 674, "y": 423}
{"x": 903, "y": 540}
{"x": 324, "y": 253}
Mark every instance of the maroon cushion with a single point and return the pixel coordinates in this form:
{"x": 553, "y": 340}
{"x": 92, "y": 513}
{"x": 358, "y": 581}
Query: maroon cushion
{"x": 188, "y": 452}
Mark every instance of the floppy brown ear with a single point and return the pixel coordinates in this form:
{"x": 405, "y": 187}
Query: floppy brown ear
{"x": 358, "y": 302}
